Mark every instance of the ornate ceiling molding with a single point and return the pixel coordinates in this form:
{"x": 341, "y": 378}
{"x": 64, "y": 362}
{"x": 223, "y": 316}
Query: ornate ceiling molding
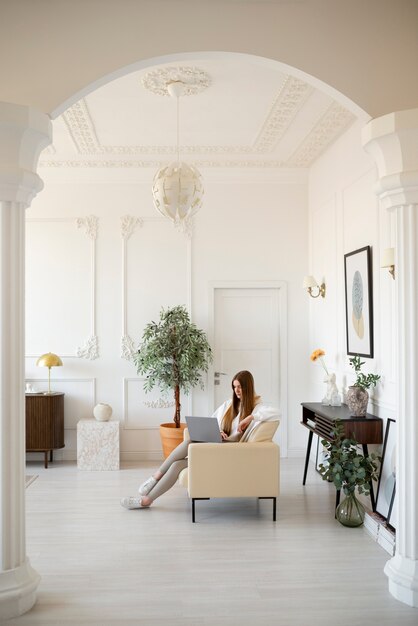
{"x": 332, "y": 123}
{"x": 81, "y": 128}
{"x": 286, "y": 105}
{"x": 193, "y": 79}
{"x": 95, "y": 163}
{"x": 283, "y": 110}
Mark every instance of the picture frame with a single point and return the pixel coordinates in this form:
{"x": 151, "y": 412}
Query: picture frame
{"x": 359, "y": 301}
{"x": 386, "y": 491}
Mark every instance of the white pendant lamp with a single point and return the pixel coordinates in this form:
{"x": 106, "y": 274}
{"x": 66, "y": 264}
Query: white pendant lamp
{"x": 177, "y": 188}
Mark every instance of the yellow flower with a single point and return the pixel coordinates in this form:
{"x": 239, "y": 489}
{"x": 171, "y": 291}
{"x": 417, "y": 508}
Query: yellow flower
{"x": 318, "y": 354}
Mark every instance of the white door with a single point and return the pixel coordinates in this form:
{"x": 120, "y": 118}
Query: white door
{"x": 247, "y": 335}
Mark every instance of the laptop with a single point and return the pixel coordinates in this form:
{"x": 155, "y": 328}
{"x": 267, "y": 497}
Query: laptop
{"x": 204, "y": 429}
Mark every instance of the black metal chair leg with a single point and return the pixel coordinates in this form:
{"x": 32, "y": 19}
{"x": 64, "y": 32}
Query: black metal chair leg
{"x": 194, "y": 507}
{"x": 274, "y": 504}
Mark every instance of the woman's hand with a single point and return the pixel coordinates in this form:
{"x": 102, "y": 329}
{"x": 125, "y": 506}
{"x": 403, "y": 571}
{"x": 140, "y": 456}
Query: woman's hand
{"x": 244, "y": 423}
{"x": 224, "y": 435}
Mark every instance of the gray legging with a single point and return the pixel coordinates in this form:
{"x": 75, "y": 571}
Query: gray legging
{"x": 171, "y": 468}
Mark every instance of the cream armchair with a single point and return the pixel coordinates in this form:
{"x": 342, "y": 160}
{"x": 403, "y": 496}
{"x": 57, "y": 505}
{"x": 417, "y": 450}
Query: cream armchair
{"x": 245, "y": 469}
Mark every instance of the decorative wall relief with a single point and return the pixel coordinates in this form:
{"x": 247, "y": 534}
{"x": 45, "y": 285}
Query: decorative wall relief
{"x": 90, "y": 350}
{"x": 156, "y": 272}
{"x": 128, "y": 226}
{"x": 60, "y": 287}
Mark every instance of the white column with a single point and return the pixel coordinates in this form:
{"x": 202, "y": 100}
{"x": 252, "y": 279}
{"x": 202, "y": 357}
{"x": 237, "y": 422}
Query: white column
{"x": 393, "y": 142}
{"x": 23, "y": 134}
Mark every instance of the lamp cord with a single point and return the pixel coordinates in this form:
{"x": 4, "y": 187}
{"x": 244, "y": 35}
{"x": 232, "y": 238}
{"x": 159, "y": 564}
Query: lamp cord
{"x": 178, "y": 130}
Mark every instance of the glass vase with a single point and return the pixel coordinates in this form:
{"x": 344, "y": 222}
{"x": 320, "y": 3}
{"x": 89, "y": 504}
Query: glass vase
{"x": 350, "y": 512}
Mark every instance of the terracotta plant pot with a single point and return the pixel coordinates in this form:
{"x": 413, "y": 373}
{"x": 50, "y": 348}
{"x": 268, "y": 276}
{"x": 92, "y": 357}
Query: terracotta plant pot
{"x": 171, "y": 436}
{"x": 357, "y": 400}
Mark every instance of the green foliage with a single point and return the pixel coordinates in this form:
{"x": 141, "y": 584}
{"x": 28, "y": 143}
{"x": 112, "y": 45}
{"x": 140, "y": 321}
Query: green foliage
{"x": 365, "y": 381}
{"x": 345, "y": 466}
{"x": 173, "y": 354}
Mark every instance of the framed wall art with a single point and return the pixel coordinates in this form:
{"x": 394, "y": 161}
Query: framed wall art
{"x": 359, "y": 302}
{"x": 386, "y": 492}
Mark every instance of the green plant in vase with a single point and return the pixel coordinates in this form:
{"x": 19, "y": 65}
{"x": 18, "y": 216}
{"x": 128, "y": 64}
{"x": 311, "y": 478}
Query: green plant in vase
{"x": 348, "y": 470}
{"x": 173, "y": 354}
{"x": 357, "y": 396}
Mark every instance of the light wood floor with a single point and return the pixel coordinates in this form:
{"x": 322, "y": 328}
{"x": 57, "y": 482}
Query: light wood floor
{"x": 103, "y": 565}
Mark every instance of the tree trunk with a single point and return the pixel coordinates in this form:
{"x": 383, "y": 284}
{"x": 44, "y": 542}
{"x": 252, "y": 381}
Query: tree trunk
{"x": 178, "y": 406}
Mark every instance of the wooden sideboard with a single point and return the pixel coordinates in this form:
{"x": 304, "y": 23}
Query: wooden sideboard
{"x": 320, "y": 420}
{"x": 44, "y": 423}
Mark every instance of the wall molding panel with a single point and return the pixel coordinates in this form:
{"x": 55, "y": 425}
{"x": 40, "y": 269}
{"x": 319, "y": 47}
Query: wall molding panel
{"x": 128, "y": 226}
{"x": 90, "y": 350}
{"x": 50, "y": 285}
{"x": 131, "y": 225}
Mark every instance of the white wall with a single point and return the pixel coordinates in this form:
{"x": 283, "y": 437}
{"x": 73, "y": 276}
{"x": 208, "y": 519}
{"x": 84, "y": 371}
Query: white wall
{"x": 344, "y": 216}
{"x": 253, "y": 226}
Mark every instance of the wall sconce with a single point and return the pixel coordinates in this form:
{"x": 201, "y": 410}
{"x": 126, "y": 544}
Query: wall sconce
{"x": 310, "y": 284}
{"x": 388, "y": 260}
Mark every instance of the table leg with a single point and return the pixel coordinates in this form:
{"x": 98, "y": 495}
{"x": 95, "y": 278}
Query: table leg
{"x": 308, "y": 453}
{"x": 337, "y": 501}
{"x": 46, "y": 459}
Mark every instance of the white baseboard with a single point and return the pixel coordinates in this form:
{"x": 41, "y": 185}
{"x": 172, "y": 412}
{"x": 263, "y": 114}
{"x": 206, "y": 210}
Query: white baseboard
{"x": 151, "y": 455}
{"x": 296, "y": 453}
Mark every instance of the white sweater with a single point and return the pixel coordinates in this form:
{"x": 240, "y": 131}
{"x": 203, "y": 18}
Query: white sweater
{"x": 261, "y": 413}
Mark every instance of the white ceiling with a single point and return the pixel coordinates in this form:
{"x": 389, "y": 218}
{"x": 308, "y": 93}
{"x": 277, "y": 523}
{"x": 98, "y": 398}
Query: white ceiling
{"x": 251, "y": 115}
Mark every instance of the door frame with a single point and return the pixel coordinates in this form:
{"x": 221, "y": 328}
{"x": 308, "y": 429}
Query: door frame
{"x": 281, "y": 286}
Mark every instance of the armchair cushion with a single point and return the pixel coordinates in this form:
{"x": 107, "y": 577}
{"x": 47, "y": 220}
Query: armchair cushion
{"x": 233, "y": 470}
{"x": 260, "y": 431}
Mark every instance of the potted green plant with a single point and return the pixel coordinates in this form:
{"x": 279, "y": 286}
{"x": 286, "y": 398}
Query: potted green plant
{"x": 348, "y": 470}
{"x": 357, "y": 396}
{"x": 173, "y": 354}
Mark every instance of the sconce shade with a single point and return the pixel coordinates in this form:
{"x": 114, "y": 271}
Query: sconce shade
{"x": 49, "y": 360}
{"x": 388, "y": 257}
{"x": 309, "y": 281}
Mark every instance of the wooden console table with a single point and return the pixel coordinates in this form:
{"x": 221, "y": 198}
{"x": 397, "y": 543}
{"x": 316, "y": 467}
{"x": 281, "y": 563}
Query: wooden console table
{"x": 44, "y": 423}
{"x": 320, "y": 420}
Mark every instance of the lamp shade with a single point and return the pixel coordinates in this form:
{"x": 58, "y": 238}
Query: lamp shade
{"x": 177, "y": 190}
{"x": 388, "y": 257}
{"x": 49, "y": 360}
{"x": 309, "y": 281}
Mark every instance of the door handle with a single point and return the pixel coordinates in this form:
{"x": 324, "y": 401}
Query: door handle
{"x": 219, "y": 374}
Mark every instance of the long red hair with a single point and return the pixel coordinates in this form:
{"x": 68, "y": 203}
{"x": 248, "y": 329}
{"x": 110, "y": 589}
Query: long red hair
{"x": 244, "y": 406}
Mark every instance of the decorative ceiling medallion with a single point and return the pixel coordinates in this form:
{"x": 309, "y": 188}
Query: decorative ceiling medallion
{"x": 194, "y": 79}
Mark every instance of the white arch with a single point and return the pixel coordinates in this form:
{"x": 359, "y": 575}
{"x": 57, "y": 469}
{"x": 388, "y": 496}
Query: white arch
{"x": 208, "y": 55}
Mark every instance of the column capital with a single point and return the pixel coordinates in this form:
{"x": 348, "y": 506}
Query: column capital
{"x": 392, "y": 140}
{"x": 24, "y": 133}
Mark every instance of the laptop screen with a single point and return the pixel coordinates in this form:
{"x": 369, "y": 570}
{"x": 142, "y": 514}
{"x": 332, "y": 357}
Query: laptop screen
{"x": 204, "y": 429}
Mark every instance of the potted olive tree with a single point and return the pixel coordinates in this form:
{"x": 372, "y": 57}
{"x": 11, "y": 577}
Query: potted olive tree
{"x": 173, "y": 354}
{"x": 357, "y": 396}
{"x": 348, "y": 470}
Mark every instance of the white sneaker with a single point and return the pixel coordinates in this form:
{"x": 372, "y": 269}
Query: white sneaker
{"x": 129, "y": 502}
{"x": 146, "y": 487}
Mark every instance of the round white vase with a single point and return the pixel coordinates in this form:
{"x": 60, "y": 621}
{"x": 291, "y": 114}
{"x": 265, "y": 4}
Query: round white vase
{"x": 102, "y": 412}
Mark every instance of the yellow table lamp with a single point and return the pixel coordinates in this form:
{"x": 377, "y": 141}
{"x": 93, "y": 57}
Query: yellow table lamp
{"x": 49, "y": 360}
